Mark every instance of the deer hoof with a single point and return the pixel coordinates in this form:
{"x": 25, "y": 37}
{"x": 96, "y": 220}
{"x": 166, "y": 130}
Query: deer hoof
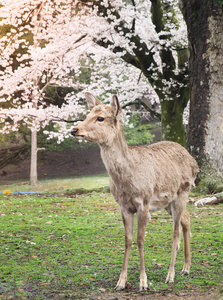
{"x": 169, "y": 279}
{"x": 119, "y": 288}
{"x": 185, "y": 272}
{"x": 143, "y": 288}
{"x": 186, "y": 269}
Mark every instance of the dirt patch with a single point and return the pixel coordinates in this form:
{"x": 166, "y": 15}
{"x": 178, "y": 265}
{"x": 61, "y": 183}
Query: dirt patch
{"x": 82, "y": 161}
{"x": 193, "y": 295}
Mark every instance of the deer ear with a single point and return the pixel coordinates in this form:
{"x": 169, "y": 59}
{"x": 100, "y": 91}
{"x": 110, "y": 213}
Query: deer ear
{"x": 92, "y": 101}
{"x": 116, "y": 107}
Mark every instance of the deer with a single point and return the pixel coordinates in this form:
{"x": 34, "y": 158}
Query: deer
{"x": 143, "y": 179}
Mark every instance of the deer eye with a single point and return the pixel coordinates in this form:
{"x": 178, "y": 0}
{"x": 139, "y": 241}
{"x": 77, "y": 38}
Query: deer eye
{"x": 100, "y": 119}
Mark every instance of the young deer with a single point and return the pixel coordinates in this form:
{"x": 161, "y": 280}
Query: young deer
{"x": 142, "y": 179}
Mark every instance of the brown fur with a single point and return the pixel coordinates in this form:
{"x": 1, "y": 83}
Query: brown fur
{"x": 142, "y": 179}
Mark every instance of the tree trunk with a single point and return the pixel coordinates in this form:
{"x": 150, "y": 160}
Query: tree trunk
{"x": 33, "y": 164}
{"x": 205, "y": 26}
{"x": 172, "y": 126}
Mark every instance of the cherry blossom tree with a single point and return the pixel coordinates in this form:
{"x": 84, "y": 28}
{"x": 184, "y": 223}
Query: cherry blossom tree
{"x": 37, "y": 28}
{"x": 134, "y": 48}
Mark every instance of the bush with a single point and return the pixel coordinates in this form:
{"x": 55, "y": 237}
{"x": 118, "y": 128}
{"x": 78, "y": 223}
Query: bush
{"x": 137, "y": 133}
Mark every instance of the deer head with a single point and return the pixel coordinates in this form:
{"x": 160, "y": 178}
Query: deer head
{"x": 103, "y": 122}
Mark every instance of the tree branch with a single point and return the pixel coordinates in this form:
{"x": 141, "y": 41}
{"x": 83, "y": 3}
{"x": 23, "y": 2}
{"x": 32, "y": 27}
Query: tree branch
{"x": 143, "y": 57}
{"x": 166, "y": 54}
{"x": 127, "y": 57}
{"x": 139, "y": 102}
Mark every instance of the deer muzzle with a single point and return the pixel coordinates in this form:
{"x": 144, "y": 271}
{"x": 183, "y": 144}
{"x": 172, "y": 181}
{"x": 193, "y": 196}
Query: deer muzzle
{"x": 77, "y": 134}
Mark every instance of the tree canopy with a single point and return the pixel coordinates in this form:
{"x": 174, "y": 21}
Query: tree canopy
{"x": 132, "y": 48}
{"x": 54, "y": 51}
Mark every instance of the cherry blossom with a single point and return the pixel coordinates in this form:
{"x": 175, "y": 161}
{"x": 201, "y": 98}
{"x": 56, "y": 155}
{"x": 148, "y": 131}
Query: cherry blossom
{"x": 61, "y": 37}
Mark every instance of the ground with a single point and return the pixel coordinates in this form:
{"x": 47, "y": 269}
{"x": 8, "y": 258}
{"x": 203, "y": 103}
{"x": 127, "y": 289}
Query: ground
{"x": 157, "y": 296}
{"x": 81, "y": 162}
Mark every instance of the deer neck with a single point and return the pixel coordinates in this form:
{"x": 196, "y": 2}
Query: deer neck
{"x": 116, "y": 157}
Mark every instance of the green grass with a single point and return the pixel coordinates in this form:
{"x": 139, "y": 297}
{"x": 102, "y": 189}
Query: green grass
{"x": 87, "y": 183}
{"x": 70, "y": 246}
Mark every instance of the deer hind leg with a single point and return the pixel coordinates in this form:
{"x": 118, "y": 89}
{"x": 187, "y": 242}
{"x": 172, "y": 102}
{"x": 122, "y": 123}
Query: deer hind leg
{"x": 177, "y": 210}
{"x": 142, "y": 218}
{"x": 128, "y": 221}
{"x": 185, "y": 222}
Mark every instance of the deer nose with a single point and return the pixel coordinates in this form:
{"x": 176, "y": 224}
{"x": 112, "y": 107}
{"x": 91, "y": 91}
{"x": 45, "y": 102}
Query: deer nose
{"x": 74, "y": 131}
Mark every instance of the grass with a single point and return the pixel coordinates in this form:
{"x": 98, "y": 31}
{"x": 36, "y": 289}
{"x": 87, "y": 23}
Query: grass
{"x": 67, "y": 247}
{"x": 88, "y": 183}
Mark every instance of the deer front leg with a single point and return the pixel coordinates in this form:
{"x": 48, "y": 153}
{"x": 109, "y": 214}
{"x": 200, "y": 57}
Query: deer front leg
{"x": 142, "y": 218}
{"x": 128, "y": 221}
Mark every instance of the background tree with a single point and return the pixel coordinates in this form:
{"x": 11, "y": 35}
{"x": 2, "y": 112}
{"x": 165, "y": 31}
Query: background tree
{"x": 205, "y": 26}
{"x": 27, "y": 75}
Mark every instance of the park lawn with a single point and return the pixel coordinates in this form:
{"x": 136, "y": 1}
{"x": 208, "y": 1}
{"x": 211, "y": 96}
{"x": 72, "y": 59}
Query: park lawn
{"x": 55, "y": 185}
{"x": 70, "y": 245}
